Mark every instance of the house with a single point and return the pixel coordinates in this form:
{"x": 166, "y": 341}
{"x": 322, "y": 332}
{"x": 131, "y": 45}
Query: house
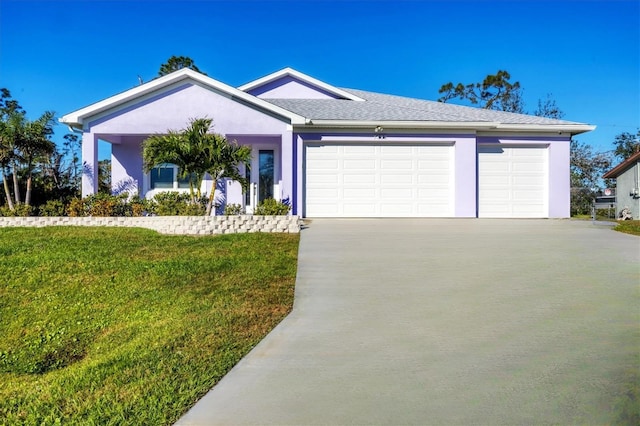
{"x": 627, "y": 176}
{"x": 335, "y": 152}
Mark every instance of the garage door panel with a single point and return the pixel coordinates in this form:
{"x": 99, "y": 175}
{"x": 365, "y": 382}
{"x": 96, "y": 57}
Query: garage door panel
{"x": 359, "y": 209}
{"x": 359, "y": 192}
{"x": 396, "y": 179}
{"x": 512, "y": 181}
{"x": 393, "y": 151}
{"x": 348, "y": 150}
{"x": 434, "y": 164}
{"x": 434, "y": 180}
{"x": 380, "y": 180}
{"x": 396, "y": 209}
{"x": 394, "y": 165}
{"x": 330, "y": 179}
{"x": 524, "y": 167}
{"x": 396, "y": 193}
{"x": 434, "y": 194}
{"x": 432, "y": 210}
{"x": 327, "y": 164}
{"x": 359, "y": 179}
{"x": 532, "y": 181}
{"x": 326, "y": 192}
{"x": 355, "y": 165}
{"x": 528, "y": 196}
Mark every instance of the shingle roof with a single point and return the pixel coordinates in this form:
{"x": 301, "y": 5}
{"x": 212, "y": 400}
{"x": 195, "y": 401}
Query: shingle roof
{"x": 381, "y": 107}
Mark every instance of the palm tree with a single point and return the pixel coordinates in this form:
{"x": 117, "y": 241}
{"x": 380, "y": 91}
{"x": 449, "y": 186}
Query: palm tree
{"x": 6, "y": 157}
{"x": 23, "y": 142}
{"x": 222, "y": 160}
{"x": 34, "y": 145}
{"x": 196, "y": 151}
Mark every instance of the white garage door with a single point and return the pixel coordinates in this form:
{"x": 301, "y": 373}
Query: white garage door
{"x": 512, "y": 181}
{"x": 378, "y": 180}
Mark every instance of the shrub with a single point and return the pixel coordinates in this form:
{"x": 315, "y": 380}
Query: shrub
{"x": 178, "y": 204}
{"x": 271, "y": 207}
{"x": 52, "y": 208}
{"x": 101, "y": 205}
{"x": 142, "y": 207}
{"x": 20, "y": 210}
{"x": 233, "y": 209}
{"x": 76, "y": 208}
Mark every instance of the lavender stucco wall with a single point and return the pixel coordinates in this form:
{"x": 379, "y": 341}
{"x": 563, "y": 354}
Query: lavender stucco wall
{"x": 559, "y": 179}
{"x": 290, "y": 88}
{"x": 89, "y": 164}
{"x": 126, "y": 165}
{"x": 466, "y": 173}
{"x": 158, "y": 113}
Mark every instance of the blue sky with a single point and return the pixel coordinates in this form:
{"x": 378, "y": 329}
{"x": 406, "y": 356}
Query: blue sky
{"x": 65, "y": 54}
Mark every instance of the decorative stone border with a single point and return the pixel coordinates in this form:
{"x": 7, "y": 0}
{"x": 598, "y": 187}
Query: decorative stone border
{"x": 184, "y": 225}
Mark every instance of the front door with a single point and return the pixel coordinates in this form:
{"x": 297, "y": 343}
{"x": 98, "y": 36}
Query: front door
{"x": 262, "y": 177}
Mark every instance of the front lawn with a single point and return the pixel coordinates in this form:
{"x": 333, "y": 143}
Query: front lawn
{"x": 628, "y": 227}
{"x": 126, "y": 326}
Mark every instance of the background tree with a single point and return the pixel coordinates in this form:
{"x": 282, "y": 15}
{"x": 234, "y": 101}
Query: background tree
{"x": 35, "y": 147}
{"x": 587, "y": 168}
{"x": 626, "y": 145}
{"x": 104, "y": 176}
{"x": 9, "y": 110}
{"x": 494, "y": 92}
{"x": 59, "y": 176}
{"x": 175, "y": 63}
{"x": 549, "y": 108}
{"x": 30, "y": 160}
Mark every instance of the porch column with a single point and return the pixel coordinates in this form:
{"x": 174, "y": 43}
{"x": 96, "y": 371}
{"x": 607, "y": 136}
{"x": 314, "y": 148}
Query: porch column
{"x": 298, "y": 174}
{"x": 89, "y": 164}
{"x": 286, "y": 167}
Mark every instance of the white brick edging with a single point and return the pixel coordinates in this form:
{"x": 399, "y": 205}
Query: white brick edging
{"x": 183, "y": 225}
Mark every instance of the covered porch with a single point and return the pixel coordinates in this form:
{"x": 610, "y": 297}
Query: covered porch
{"x": 264, "y": 173}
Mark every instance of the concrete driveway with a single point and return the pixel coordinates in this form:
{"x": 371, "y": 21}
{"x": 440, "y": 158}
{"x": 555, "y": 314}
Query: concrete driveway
{"x": 448, "y": 321}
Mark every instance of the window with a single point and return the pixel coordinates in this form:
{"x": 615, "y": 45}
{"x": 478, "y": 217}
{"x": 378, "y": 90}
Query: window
{"x": 162, "y": 177}
{"x": 166, "y": 177}
{"x": 265, "y": 169}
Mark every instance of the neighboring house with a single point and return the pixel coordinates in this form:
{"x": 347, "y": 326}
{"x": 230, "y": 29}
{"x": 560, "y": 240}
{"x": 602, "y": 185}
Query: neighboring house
{"x": 336, "y": 152}
{"x": 627, "y": 176}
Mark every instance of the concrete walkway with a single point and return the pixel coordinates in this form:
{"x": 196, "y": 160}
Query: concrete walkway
{"x": 448, "y": 321}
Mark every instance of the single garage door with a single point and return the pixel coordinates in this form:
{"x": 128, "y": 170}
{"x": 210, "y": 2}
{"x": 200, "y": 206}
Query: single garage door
{"x": 378, "y": 180}
{"x": 512, "y": 181}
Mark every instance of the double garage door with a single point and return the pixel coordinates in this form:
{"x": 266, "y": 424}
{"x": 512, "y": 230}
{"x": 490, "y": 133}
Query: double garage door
{"x": 378, "y": 180}
{"x": 417, "y": 180}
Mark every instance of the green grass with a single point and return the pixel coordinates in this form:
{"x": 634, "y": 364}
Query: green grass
{"x": 629, "y": 227}
{"x": 126, "y": 326}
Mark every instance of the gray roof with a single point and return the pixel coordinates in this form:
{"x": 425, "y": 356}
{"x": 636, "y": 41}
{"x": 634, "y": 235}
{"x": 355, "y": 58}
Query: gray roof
{"x": 380, "y": 107}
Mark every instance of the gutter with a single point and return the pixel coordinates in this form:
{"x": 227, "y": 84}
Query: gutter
{"x": 471, "y": 125}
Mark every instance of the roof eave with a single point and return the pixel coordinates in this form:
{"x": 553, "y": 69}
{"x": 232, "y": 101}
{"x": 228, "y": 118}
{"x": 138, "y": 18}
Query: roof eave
{"x": 574, "y": 129}
{"x": 300, "y": 76}
{"x": 622, "y": 167}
